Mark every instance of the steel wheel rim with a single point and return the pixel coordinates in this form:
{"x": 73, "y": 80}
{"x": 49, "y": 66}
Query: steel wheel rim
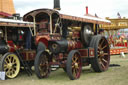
{"x": 103, "y": 53}
{"x": 11, "y": 66}
{"x": 44, "y": 66}
{"x": 76, "y": 65}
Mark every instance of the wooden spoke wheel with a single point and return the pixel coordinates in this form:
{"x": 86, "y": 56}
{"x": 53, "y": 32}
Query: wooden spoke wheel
{"x": 42, "y": 67}
{"x": 10, "y": 64}
{"x": 102, "y": 53}
{"x": 74, "y": 65}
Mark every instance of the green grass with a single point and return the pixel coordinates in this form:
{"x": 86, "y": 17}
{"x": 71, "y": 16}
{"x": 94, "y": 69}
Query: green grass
{"x": 114, "y": 76}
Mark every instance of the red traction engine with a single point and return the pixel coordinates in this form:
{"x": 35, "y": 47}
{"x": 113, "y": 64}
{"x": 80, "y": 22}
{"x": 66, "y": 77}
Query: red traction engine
{"x": 67, "y": 42}
{"x": 74, "y": 52}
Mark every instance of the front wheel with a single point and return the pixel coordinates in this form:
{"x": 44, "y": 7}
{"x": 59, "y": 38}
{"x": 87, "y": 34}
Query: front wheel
{"x": 42, "y": 67}
{"x": 74, "y": 65}
{"x": 10, "y": 64}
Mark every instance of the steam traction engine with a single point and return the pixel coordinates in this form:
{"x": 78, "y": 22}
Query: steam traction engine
{"x": 15, "y": 52}
{"x": 68, "y": 42}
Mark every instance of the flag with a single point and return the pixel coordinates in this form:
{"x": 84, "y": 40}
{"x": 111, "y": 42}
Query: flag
{"x": 96, "y": 15}
{"x": 118, "y": 14}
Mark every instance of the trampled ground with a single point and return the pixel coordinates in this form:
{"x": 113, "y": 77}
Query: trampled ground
{"x": 117, "y": 75}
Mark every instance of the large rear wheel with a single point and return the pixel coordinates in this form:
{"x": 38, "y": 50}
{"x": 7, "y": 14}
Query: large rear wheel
{"x": 10, "y": 64}
{"x": 74, "y": 65}
{"x": 42, "y": 67}
{"x": 102, "y": 53}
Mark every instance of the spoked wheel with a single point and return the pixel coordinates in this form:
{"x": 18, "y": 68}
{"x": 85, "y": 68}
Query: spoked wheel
{"x": 42, "y": 67}
{"x": 102, "y": 53}
{"x": 74, "y": 65}
{"x": 10, "y": 64}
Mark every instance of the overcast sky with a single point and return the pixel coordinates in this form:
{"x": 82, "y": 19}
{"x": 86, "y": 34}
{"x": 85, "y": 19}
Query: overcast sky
{"x": 103, "y": 8}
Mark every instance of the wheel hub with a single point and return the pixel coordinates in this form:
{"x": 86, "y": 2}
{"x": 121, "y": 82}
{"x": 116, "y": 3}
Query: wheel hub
{"x": 10, "y": 65}
{"x": 101, "y": 53}
{"x": 76, "y": 65}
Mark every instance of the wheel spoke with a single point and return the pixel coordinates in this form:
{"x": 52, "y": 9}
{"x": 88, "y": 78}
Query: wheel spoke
{"x": 14, "y": 66}
{"x": 104, "y": 60}
{"x": 102, "y": 65}
{"x": 8, "y": 59}
{"x": 5, "y": 62}
{"x": 43, "y": 72}
{"x": 73, "y": 66}
{"x": 5, "y": 69}
{"x": 104, "y": 47}
{"x": 8, "y": 72}
{"x": 99, "y": 55}
{"x": 101, "y": 43}
{"x": 5, "y": 66}
{"x": 74, "y": 73}
{"x": 76, "y": 58}
{"x": 13, "y": 69}
{"x": 42, "y": 65}
{"x": 105, "y": 54}
{"x": 13, "y": 61}
{"x": 11, "y": 73}
{"x": 99, "y": 48}
{"x": 73, "y": 60}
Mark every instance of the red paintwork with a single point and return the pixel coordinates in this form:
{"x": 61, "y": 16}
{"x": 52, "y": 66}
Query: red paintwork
{"x": 91, "y": 52}
{"x": 5, "y": 14}
{"x": 87, "y": 52}
{"x": 43, "y": 38}
{"x": 46, "y": 37}
{"x": 28, "y": 55}
{"x": 74, "y": 45}
{"x": 11, "y": 46}
{"x": 83, "y": 52}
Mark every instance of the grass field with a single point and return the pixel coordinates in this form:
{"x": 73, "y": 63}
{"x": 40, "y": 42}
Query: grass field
{"x": 117, "y": 75}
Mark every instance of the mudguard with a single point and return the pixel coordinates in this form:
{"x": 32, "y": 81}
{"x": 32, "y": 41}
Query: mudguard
{"x": 41, "y": 47}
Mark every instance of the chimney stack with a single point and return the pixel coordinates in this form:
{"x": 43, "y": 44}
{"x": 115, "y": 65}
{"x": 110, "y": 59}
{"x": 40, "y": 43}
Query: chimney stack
{"x": 86, "y": 10}
{"x": 57, "y": 4}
